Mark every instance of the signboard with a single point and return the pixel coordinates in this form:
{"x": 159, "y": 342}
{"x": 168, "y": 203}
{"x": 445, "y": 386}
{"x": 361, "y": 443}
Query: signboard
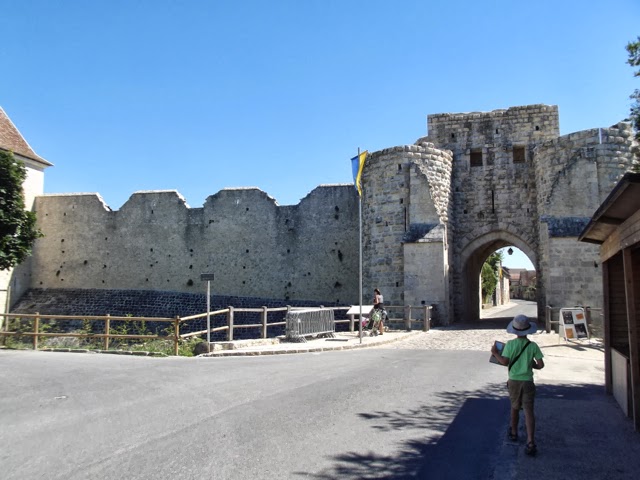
{"x": 355, "y": 310}
{"x": 206, "y": 277}
{"x": 573, "y": 323}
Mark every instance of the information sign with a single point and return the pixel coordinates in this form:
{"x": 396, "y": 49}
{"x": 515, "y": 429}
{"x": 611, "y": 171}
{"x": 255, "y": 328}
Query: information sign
{"x": 573, "y": 323}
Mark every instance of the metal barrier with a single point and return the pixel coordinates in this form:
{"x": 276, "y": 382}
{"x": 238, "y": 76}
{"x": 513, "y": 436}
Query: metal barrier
{"x": 301, "y": 323}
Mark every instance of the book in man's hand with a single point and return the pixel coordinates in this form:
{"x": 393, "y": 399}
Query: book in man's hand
{"x": 500, "y": 347}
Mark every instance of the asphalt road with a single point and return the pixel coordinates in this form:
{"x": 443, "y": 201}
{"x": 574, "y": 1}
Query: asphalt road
{"x": 371, "y": 413}
{"x": 513, "y": 308}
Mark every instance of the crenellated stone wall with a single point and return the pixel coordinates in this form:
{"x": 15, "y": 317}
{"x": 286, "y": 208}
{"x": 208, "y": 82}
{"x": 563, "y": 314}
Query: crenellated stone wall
{"x": 576, "y": 172}
{"x": 254, "y": 247}
{"x": 478, "y": 182}
{"x": 432, "y": 213}
{"x": 494, "y": 190}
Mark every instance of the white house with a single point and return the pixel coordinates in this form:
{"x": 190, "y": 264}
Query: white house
{"x": 16, "y": 280}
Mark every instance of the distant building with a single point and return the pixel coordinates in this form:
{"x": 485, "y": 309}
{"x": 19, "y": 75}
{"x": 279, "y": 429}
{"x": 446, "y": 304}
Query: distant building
{"x": 11, "y": 140}
{"x": 523, "y": 283}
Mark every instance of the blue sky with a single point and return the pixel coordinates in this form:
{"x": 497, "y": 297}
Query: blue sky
{"x": 196, "y": 96}
{"x": 517, "y": 259}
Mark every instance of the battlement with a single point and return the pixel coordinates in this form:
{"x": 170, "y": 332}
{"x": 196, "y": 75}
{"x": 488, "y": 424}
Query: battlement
{"x": 255, "y": 247}
{"x": 431, "y": 213}
{"x": 516, "y": 125}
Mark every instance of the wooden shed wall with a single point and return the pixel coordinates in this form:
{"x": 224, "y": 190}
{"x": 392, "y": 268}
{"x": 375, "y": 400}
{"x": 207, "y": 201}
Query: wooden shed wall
{"x": 627, "y": 234}
{"x": 618, "y": 330}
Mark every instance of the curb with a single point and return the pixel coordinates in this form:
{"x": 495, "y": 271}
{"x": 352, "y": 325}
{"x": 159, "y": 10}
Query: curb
{"x": 293, "y": 350}
{"x": 137, "y": 353}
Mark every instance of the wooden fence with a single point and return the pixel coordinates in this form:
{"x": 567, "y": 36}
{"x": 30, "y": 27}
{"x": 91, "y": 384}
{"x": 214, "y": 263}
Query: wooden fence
{"x": 37, "y": 330}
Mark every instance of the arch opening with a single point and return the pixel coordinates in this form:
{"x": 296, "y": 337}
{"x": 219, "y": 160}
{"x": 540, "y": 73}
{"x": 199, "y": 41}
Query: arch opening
{"x": 504, "y": 302}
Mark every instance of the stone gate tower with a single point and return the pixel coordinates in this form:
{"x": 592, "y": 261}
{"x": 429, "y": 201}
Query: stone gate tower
{"x": 434, "y": 211}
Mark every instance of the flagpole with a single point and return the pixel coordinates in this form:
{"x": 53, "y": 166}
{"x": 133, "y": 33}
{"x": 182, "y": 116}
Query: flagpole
{"x": 360, "y": 254}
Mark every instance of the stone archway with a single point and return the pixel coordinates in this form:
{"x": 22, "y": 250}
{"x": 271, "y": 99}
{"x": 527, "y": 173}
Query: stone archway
{"x": 472, "y": 258}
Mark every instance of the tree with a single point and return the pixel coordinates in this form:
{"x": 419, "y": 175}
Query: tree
{"x": 17, "y": 226}
{"x": 490, "y": 275}
{"x": 633, "y": 49}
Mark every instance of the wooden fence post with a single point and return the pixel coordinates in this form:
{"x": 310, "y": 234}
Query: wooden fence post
{"x": 36, "y": 327}
{"x": 230, "y": 323}
{"x": 264, "y": 322}
{"x": 407, "y": 317}
{"x": 427, "y": 318}
{"x": 107, "y": 327}
{"x": 176, "y": 336}
{"x": 547, "y": 319}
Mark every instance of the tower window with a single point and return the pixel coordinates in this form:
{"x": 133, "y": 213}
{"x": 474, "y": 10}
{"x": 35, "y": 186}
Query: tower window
{"x": 518, "y": 155}
{"x": 475, "y": 158}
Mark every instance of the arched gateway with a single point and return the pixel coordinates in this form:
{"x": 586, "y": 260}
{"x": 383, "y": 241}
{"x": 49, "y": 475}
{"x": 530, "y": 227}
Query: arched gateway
{"x": 434, "y": 211}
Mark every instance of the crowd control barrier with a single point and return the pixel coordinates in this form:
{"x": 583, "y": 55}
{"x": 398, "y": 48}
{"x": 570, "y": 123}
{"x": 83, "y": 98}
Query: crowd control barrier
{"x": 308, "y": 322}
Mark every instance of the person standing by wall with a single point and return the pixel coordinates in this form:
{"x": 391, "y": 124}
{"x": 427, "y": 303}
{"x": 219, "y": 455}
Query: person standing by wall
{"x": 378, "y": 304}
{"x": 521, "y": 355}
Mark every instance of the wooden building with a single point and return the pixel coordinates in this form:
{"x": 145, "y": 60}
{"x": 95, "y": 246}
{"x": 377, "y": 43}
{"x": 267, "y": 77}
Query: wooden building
{"x": 616, "y": 228}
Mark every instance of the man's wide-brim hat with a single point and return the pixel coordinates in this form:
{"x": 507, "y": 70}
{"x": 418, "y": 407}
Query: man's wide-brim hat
{"x": 521, "y": 326}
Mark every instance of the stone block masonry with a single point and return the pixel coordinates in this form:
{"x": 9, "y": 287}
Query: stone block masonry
{"x": 254, "y": 247}
{"x": 432, "y": 212}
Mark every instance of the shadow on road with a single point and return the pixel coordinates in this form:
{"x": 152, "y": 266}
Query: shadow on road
{"x": 459, "y": 436}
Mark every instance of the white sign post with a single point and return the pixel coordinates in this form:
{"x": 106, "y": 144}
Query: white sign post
{"x": 209, "y": 278}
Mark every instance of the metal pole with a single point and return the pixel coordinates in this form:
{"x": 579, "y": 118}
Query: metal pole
{"x": 360, "y": 250}
{"x": 208, "y": 316}
{"x": 208, "y": 277}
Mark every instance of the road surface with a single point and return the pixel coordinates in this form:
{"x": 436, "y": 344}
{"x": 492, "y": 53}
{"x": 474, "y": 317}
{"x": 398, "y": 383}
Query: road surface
{"x": 370, "y": 413}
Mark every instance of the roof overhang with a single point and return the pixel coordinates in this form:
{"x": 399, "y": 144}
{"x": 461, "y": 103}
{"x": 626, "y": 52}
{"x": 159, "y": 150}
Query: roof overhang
{"x": 622, "y": 202}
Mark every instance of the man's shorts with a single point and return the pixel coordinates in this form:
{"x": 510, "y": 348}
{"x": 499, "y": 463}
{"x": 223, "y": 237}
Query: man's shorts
{"x": 521, "y": 393}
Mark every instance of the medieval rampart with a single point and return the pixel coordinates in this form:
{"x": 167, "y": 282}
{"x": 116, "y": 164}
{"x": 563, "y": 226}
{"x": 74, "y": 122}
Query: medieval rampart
{"x": 432, "y": 213}
{"x": 503, "y": 178}
{"x": 575, "y": 174}
{"x": 406, "y": 195}
{"x": 254, "y": 247}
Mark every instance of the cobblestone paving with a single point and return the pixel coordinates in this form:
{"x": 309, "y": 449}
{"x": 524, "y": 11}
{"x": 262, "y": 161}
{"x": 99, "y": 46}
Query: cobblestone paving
{"x": 465, "y": 339}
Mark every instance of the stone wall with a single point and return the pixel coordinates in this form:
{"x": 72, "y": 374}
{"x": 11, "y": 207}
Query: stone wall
{"x": 432, "y": 213}
{"x": 406, "y": 195}
{"x": 254, "y": 247}
{"x": 494, "y": 187}
{"x": 575, "y": 174}
{"x": 497, "y": 131}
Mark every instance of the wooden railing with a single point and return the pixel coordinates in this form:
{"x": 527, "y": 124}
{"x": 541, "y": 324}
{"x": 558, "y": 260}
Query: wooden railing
{"x": 37, "y": 331}
{"x": 231, "y": 326}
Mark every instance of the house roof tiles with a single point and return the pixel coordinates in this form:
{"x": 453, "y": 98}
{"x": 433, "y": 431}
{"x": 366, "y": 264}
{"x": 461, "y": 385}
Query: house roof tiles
{"x": 12, "y": 140}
